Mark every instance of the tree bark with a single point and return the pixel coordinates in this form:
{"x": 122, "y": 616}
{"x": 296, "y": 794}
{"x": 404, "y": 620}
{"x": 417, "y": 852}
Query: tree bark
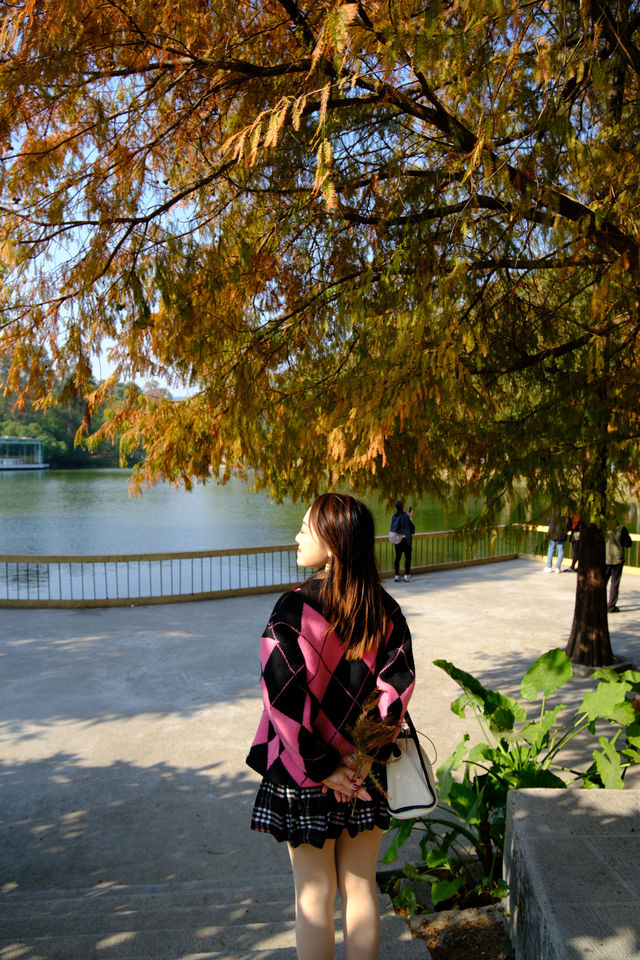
{"x": 589, "y": 643}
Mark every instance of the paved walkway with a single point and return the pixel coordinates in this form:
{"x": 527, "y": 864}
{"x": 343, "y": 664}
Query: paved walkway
{"x": 123, "y": 732}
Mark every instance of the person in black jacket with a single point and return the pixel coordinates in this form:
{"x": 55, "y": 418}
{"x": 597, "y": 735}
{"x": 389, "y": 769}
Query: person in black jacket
{"x": 618, "y": 540}
{"x": 402, "y": 524}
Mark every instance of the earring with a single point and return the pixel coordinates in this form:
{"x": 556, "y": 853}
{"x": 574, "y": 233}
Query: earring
{"x": 327, "y": 566}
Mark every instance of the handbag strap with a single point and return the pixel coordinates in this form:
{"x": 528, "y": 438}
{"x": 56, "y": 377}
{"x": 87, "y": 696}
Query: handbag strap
{"x": 409, "y": 722}
{"x": 413, "y": 733}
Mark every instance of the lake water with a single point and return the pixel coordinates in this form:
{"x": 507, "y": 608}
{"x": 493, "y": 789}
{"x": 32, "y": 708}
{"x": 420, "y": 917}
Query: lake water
{"x": 68, "y": 512}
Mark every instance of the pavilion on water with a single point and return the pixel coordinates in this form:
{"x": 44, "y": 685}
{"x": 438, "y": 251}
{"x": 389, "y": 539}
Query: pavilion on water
{"x": 22, "y": 453}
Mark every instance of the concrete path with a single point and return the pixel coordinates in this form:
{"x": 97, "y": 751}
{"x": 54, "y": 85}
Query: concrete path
{"x": 123, "y": 734}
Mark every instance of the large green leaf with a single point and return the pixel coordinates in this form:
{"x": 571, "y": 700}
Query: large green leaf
{"x": 609, "y": 702}
{"x": 482, "y": 753}
{"x": 437, "y": 858}
{"x": 456, "y": 758}
{"x": 463, "y": 799}
{"x": 500, "y": 711}
{"x": 400, "y": 834}
{"x": 532, "y": 775}
{"x": 631, "y": 677}
{"x": 537, "y": 733}
{"x": 631, "y": 755}
{"x": 460, "y": 704}
{"x": 472, "y": 687}
{"x": 546, "y": 675}
{"x": 445, "y": 781}
{"x": 609, "y": 765}
{"x": 633, "y": 734}
{"x": 445, "y": 889}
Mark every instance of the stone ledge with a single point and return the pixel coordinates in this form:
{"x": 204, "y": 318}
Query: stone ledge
{"x": 572, "y": 860}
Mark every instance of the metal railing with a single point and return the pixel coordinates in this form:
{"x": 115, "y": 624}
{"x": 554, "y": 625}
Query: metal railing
{"x": 119, "y": 580}
{"x": 105, "y": 580}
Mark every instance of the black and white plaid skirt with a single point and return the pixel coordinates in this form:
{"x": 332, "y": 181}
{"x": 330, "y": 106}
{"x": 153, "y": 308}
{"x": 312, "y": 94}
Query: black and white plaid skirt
{"x": 307, "y": 815}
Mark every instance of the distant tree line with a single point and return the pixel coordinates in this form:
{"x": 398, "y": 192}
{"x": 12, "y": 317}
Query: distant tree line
{"x": 58, "y": 426}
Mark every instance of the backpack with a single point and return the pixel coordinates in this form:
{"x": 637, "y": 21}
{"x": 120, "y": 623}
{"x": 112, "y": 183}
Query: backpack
{"x": 394, "y": 536}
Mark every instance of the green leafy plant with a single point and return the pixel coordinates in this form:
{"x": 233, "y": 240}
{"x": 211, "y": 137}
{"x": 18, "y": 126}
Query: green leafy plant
{"x": 462, "y": 845}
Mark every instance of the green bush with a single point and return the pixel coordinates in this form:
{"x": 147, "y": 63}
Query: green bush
{"x": 462, "y": 845}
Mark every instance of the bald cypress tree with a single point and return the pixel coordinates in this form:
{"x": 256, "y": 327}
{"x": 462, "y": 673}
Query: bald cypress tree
{"x": 393, "y": 245}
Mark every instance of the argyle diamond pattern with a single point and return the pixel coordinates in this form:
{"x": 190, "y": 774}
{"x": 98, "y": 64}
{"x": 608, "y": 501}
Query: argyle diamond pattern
{"x": 313, "y": 695}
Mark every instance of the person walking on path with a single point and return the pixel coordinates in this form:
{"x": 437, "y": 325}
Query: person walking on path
{"x": 574, "y": 540}
{"x": 558, "y": 527}
{"x": 335, "y": 650}
{"x": 618, "y": 540}
{"x": 402, "y": 524}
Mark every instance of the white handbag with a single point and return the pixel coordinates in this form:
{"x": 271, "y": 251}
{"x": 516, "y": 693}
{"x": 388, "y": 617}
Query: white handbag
{"x": 411, "y": 783}
{"x": 395, "y": 537}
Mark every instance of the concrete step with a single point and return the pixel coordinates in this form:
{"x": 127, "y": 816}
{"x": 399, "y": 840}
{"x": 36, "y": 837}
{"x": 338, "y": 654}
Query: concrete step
{"x": 130, "y": 911}
{"x": 118, "y": 899}
{"x": 191, "y": 920}
{"x": 140, "y": 917}
{"x": 172, "y": 943}
{"x": 411, "y": 950}
{"x": 164, "y": 948}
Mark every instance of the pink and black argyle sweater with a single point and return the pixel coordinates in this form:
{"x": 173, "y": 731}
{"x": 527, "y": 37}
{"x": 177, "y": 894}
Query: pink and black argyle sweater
{"x": 313, "y": 695}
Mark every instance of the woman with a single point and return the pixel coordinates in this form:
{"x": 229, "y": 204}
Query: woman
{"x": 329, "y": 648}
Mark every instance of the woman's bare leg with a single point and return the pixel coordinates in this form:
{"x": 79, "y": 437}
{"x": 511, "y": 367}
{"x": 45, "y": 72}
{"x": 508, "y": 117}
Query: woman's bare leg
{"x": 356, "y": 861}
{"x": 314, "y": 877}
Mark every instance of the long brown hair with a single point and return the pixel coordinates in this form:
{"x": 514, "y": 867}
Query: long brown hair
{"x": 351, "y": 593}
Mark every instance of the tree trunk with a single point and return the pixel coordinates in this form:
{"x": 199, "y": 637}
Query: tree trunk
{"x": 589, "y": 642}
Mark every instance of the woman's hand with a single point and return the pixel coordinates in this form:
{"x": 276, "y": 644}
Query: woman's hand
{"x": 361, "y": 770}
{"x": 346, "y": 781}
